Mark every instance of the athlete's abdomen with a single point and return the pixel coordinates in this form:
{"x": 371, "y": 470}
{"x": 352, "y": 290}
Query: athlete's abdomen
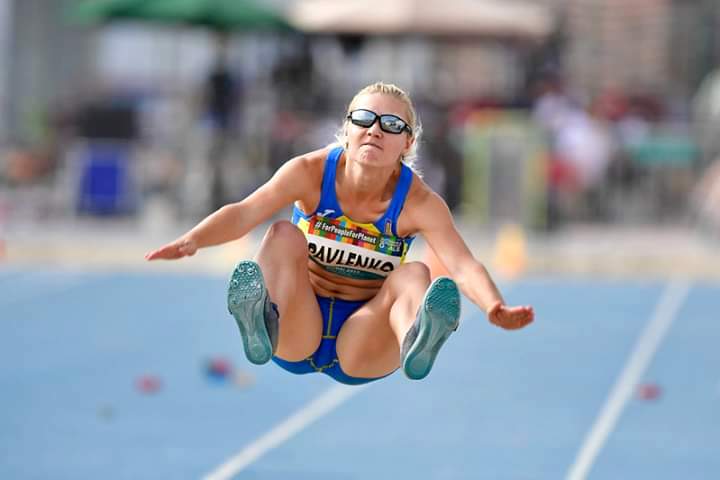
{"x": 328, "y": 284}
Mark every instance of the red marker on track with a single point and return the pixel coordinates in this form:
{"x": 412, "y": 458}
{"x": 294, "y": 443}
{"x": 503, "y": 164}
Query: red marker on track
{"x": 219, "y": 367}
{"x": 649, "y": 391}
{"x": 148, "y": 384}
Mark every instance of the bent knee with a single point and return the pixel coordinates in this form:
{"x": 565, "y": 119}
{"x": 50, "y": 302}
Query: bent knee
{"x": 412, "y": 271}
{"x": 287, "y": 236}
{"x": 285, "y": 229}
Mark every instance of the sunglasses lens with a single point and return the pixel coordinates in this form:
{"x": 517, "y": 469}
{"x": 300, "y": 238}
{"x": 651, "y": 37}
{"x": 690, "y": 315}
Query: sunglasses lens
{"x": 362, "y": 118}
{"x": 391, "y": 123}
{"x": 388, "y": 123}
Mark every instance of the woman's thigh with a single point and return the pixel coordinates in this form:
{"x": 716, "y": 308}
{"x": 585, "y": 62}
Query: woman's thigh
{"x": 368, "y": 344}
{"x": 283, "y": 259}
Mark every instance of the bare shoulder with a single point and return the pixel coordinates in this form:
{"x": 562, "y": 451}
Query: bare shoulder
{"x": 310, "y": 164}
{"x": 421, "y": 205}
{"x": 419, "y": 193}
{"x": 304, "y": 175}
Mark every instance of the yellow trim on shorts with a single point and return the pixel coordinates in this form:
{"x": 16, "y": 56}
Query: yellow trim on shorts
{"x": 330, "y": 319}
{"x": 321, "y": 368}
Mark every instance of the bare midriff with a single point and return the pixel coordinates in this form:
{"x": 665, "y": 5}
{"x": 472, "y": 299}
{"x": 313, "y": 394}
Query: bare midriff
{"x": 328, "y": 284}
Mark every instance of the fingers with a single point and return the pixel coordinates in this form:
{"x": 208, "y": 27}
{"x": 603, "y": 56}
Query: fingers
{"x": 164, "y": 253}
{"x": 521, "y": 317}
{"x": 172, "y": 251}
{"x": 513, "y": 318}
{"x": 168, "y": 252}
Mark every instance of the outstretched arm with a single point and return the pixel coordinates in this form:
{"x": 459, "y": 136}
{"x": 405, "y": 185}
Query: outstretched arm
{"x": 437, "y": 226}
{"x": 235, "y": 220}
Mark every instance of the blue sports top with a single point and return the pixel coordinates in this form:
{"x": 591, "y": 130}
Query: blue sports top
{"x": 349, "y": 248}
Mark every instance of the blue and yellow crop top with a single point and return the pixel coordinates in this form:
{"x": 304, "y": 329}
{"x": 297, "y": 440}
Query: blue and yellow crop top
{"x": 348, "y": 248}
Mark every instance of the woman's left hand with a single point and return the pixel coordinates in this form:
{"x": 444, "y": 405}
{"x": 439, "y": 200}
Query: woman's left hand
{"x": 510, "y": 318}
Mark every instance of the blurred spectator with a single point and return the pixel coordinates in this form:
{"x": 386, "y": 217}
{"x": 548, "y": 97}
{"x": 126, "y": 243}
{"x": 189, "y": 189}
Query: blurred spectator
{"x": 706, "y": 200}
{"x": 581, "y": 152}
{"x": 23, "y": 166}
{"x": 222, "y": 90}
{"x": 222, "y": 94}
{"x": 551, "y": 106}
{"x": 292, "y": 78}
{"x": 706, "y": 196}
{"x": 631, "y": 129}
{"x": 439, "y": 159}
{"x": 611, "y": 105}
{"x": 706, "y": 110}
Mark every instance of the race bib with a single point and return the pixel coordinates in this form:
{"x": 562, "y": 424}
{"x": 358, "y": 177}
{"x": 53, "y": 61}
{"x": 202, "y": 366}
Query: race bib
{"x": 352, "y": 249}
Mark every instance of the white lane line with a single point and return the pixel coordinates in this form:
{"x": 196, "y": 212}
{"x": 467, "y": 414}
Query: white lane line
{"x": 322, "y": 405}
{"x": 665, "y": 312}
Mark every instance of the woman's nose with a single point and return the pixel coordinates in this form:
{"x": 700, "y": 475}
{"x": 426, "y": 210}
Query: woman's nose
{"x": 375, "y": 129}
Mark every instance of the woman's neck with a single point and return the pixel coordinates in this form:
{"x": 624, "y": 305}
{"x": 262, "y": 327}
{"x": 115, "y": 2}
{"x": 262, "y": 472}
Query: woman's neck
{"x": 362, "y": 183}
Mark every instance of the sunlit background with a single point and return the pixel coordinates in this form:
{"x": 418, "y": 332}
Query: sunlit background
{"x": 574, "y": 120}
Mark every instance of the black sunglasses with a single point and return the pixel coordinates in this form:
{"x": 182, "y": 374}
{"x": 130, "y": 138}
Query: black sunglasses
{"x": 388, "y": 123}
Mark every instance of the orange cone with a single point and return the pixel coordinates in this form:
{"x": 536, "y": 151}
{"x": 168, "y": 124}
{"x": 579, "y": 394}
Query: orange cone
{"x": 510, "y": 258}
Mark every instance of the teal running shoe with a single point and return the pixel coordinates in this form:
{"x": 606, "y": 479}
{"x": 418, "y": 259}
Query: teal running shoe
{"x": 437, "y": 318}
{"x": 256, "y": 316}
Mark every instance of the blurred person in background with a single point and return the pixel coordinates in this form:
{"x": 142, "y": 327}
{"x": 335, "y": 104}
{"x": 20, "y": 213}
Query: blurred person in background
{"x": 330, "y": 291}
{"x": 551, "y": 105}
{"x": 222, "y": 90}
{"x": 706, "y": 200}
{"x": 222, "y": 94}
{"x": 581, "y": 152}
{"x": 584, "y": 143}
{"x": 706, "y": 112}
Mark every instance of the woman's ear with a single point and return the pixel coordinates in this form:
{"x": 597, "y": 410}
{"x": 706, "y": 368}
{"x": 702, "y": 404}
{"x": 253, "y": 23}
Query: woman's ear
{"x": 408, "y": 144}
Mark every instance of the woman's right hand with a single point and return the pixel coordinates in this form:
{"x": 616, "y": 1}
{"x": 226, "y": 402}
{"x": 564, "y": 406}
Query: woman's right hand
{"x": 182, "y": 247}
{"x": 510, "y": 318}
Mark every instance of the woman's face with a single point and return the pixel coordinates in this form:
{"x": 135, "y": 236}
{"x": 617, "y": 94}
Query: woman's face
{"x": 373, "y": 146}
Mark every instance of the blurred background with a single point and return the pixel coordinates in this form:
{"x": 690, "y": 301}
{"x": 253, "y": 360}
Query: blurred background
{"x": 587, "y": 126}
{"x": 576, "y": 141}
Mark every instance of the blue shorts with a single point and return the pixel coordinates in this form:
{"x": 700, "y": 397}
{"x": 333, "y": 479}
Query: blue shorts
{"x": 325, "y": 360}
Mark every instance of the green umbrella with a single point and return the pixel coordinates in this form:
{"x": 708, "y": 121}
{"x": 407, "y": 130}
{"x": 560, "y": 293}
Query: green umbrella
{"x": 96, "y": 11}
{"x": 221, "y": 15}
{"x": 217, "y": 14}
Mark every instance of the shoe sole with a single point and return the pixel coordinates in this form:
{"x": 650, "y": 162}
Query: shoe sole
{"x": 246, "y": 303}
{"x": 439, "y": 317}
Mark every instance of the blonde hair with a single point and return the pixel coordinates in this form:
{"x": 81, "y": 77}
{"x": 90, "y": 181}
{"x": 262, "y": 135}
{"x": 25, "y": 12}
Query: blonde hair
{"x": 410, "y": 157}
